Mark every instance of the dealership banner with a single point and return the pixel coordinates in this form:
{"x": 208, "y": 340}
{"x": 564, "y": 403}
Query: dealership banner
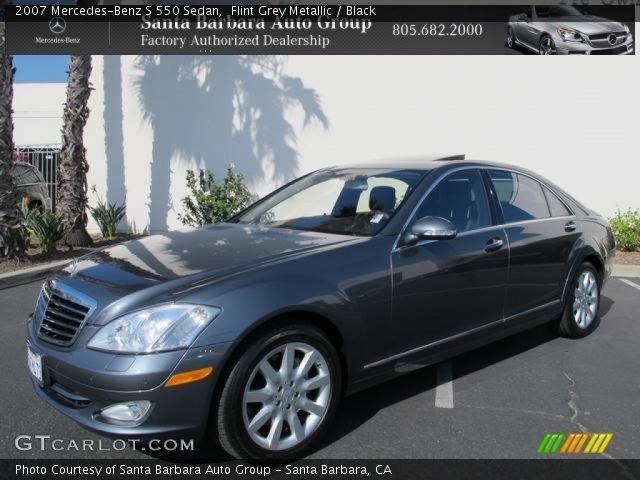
{"x": 602, "y": 29}
{"x": 320, "y": 469}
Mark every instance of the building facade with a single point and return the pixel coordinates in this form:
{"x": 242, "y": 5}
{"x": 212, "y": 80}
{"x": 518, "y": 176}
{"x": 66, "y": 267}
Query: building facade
{"x": 571, "y": 119}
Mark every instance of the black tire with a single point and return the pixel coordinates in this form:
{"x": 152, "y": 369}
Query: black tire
{"x": 230, "y": 425}
{"x": 546, "y": 46}
{"x": 567, "y": 326}
{"x": 511, "y": 40}
{"x": 36, "y": 206}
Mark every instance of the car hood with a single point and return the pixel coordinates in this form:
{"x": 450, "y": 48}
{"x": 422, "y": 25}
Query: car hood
{"x": 589, "y": 25}
{"x": 167, "y": 263}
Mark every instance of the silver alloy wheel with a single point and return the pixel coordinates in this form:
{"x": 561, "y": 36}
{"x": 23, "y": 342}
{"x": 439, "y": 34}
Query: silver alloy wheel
{"x": 585, "y": 304}
{"x": 547, "y": 47}
{"x": 287, "y": 396}
{"x": 510, "y": 41}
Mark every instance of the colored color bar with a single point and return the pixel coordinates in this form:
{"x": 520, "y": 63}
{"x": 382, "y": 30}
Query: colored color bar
{"x": 606, "y": 441}
{"x": 596, "y": 446}
{"x": 594, "y": 437}
{"x": 544, "y": 443}
{"x": 550, "y": 443}
{"x": 555, "y": 447}
{"x": 576, "y": 439}
{"x": 567, "y": 443}
{"x": 581, "y": 443}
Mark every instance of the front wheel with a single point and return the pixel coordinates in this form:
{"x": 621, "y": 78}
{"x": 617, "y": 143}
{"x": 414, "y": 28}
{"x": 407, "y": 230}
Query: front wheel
{"x": 547, "y": 46}
{"x": 581, "y": 315}
{"x": 280, "y": 396}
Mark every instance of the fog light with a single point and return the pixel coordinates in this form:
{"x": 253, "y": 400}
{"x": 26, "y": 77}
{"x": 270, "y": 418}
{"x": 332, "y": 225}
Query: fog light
{"x": 128, "y": 412}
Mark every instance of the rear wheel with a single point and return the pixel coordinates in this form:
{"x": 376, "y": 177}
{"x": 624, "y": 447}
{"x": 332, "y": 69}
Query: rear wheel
{"x": 581, "y": 315}
{"x": 281, "y": 395}
{"x": 511, "y": 41}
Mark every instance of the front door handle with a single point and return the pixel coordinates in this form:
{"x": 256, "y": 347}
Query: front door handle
{"x": 570, "y": 226}
{"x": 494, "y": 244}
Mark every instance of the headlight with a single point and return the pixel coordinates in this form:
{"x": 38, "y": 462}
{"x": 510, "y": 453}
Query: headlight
{"x": 156, "y": 329}
{"x": 626, "y": 29}
{"x": 569, "y": 35}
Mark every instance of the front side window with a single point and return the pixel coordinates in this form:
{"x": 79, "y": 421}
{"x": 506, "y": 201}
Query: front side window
{"x": 343, "y": 201}
{"x": 460, "y": 198}
{"x": 520, "y": 197}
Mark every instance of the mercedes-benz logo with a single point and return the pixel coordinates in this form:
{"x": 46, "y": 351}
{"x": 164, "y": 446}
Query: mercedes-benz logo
{"x": 613, "y": 39}
{"x": 57, "y": 25}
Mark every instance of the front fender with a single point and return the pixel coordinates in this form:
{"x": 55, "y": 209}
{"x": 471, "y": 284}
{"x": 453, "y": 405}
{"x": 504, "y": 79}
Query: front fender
{"x": 251, "y": 307}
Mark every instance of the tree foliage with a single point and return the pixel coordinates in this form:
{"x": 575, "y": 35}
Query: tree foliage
{"x": 211, "y": 201}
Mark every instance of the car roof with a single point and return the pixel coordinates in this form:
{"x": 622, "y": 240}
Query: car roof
{"x": 26, "y": 166}
{"x": 427, "y": 163}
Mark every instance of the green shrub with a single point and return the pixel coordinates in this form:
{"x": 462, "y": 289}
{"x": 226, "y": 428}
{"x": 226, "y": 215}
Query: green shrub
{"x": 211, "y": 201}
{"x": 26, "y": 214}
{"x": 47, "y": 228}
{"x": 107, "y": 216}
{"x": 626, "y": 229}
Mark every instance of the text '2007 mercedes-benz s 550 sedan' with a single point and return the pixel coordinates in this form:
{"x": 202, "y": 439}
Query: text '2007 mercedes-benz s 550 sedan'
{"x": 253, "y": 329}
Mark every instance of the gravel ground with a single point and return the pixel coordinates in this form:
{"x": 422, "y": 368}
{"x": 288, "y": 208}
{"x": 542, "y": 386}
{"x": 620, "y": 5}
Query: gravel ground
{"x": 627, "y": 258}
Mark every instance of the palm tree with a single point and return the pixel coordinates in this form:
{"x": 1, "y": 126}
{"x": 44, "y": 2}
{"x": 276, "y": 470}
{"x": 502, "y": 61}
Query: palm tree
{"x": 11, "y": 242}
{"x": 73, "y": 167}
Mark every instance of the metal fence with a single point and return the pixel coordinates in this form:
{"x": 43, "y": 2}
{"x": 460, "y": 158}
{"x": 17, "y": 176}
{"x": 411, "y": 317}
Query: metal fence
{"x": 44, "y": 158}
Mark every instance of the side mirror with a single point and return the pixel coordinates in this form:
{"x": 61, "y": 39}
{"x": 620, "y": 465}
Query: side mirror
{"x": 522, "y": 17}
{"x": 431, "y": 228}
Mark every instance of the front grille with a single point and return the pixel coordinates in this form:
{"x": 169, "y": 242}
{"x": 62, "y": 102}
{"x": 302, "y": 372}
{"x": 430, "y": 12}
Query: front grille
{"x": 61, "y": 317}
{"x": 605, "y": 36}
{"x": 68, "y": 396}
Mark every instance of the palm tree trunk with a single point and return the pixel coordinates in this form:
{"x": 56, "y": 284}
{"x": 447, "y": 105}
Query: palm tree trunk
{"x": 73, "y": 167}
{"x": 11, "y": 242}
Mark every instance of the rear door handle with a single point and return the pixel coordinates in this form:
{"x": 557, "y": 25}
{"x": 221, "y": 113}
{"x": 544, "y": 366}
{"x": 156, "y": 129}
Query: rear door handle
{"x": 494, "y": 244}
{"x": 570, "y": 226}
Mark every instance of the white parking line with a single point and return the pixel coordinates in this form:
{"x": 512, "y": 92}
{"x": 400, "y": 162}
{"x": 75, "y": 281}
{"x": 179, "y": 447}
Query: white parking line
{"x": 444, "y": 390}
{"x": 630, "y": 283}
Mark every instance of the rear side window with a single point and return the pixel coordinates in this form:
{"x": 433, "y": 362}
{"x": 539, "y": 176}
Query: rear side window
{"x": 461, "y": 198}
{"x": 558, "y": 209}
{"x": 521, "y": 197}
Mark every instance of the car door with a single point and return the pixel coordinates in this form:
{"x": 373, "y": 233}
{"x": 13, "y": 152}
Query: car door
{"x": 540, "y": 240}
{"x": 443, "y": 288}
{"x": 525, "y": 30}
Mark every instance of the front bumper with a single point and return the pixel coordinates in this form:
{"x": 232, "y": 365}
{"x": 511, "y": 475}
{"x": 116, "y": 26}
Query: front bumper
{"x": 82, "y": 382}
{"x": 575, "y": 48}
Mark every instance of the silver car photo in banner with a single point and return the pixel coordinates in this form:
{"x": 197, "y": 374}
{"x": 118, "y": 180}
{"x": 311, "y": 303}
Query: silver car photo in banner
{"x": 564, "y": 30}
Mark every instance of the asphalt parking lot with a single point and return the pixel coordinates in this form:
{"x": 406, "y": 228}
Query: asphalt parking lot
{"x": 494, "y": 402}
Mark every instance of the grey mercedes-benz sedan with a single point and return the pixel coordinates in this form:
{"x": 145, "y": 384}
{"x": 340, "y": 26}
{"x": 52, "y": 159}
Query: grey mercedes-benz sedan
{"x": 563, "y": 29}
{"x": 253, "y": 329}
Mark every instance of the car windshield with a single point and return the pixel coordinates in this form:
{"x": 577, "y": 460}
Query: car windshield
{"x": 557, "y": 11}
{"x": 343, "y": 201}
